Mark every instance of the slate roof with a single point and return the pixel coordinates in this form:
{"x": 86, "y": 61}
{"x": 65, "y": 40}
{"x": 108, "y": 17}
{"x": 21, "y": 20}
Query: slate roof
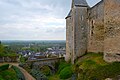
{"x": 80, "y": 3}
{"x": 69, "y": 15}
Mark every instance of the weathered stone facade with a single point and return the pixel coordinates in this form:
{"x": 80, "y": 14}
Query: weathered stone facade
{"x": 93, "y": 29}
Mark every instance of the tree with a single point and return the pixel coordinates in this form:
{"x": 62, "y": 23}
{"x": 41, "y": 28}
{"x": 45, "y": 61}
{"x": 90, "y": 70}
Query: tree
{"x": 1, "y": 48}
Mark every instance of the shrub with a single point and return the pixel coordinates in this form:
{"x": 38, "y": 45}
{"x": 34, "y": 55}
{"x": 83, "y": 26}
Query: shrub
{"x": 8, "y": 74}
{"x": 20, "y": 75}
{"x": 23, "y": 59}
{"x": 38, "y": 75}
{"x": 45, "y": 70}
{"x": 66, "y": 72}
{"x": 62, "y": 66}
{"x": 1, "y": 78}
{"x": 4, "y": 67}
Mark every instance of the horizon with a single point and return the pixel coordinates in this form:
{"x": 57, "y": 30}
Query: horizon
{"x": 32, "y": 40}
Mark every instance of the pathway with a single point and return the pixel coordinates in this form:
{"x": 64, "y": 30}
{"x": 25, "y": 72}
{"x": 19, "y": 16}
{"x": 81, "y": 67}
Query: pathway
{"x": 26, "y": 74}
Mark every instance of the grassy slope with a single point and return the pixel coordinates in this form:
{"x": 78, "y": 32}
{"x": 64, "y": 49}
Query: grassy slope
{"x": 92, "y": 67}
{"x": 89, "y": 67}
{"x": 54, "y": 77}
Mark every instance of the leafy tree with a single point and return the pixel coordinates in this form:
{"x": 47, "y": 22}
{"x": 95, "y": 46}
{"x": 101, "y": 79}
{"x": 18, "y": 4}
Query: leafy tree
{"x": 1, "y": 48}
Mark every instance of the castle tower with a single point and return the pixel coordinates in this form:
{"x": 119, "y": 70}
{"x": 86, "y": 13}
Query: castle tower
{"x": 78, "y": 30}
{"x": 68, "y": 37}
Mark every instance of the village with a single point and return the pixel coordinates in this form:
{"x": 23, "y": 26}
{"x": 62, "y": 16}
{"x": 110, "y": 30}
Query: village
{"x": 51, "y": 52}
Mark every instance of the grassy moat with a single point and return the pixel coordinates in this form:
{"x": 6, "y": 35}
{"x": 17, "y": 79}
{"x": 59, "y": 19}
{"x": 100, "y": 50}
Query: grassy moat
{"x": 90, "y": 67}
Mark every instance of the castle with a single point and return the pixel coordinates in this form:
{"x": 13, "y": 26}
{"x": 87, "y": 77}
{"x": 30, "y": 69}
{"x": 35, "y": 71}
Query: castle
{"x": 93, "y": 29}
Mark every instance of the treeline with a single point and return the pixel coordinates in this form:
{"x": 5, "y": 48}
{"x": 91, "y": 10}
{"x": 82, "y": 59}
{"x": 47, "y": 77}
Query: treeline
{"x": 5, "y": 51}
{"x": 36, "y": 46}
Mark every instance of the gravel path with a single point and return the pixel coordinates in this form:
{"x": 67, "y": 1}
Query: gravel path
{"x": 26, "y": 74}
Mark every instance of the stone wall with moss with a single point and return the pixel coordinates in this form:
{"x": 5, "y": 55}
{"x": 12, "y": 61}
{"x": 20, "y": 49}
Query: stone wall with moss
{"x": 112, "y": 30}
{"x": 96, "y": 28}
{"x": 80, "y": 31}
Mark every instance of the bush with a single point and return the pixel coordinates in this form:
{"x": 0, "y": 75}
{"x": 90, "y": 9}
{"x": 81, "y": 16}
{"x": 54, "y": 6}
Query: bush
{"x": 66, "y": 73}
{"x": 38, "y": 75}
{"x": 20, "y": 75}
{"x": 62, "y": 66}
{"x": 8, "y": 74}
{"x": 23, "y": 59}
{"x": 45, "y": 70}
{"x": 4, "y": 67}
{"x": 1, "y": 78}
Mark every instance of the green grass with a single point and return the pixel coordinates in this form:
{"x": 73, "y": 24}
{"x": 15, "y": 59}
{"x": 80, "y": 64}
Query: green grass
{"x": 8, "y": 74}
{"x": 93, "y": 67}
{"x": 4, "y": 67}
{"x": 54, "y": 77}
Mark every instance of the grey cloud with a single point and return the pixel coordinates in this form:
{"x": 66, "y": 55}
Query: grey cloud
{"x": 21, "y": 19}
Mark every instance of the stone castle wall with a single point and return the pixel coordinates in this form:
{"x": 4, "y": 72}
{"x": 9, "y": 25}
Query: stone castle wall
{"x": 112, "y": 30}
{"x": 68, "y": 39}
{"x": 96, "y": 28}
{"x": 80, "y": 31}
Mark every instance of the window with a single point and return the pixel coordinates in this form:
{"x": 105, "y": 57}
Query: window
{"x": 82, "y": 18}
{"x": 92, "y": 27}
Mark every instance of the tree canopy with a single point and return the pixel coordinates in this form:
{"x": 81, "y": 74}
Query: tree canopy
{"x": 5, "y": 52}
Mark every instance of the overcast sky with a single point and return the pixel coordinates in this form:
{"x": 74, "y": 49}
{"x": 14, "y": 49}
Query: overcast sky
{"x": 34, "y": 19}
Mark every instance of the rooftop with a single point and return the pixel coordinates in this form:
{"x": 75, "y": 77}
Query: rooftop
{"x": 79, "y": 3}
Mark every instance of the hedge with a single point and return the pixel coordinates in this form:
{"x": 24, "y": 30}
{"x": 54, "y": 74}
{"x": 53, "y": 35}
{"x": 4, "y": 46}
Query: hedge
{"x": 66, "y": 73}
{"x": 38, "y": 75}
{"x": 4, "y": 67}
{"x": 1, "y": 78}
{"x": 20, "y": 75}
{"x": 62, "y": 66}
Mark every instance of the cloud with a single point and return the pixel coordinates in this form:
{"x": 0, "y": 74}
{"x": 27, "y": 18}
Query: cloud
{"x": 33, "y": 19}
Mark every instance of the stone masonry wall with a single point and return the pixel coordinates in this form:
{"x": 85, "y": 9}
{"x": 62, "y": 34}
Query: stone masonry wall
{"x": 112, "y": 30}
{"x": 96, "y": 28}
{"x": 80, "y": 31}
{"x": 68, "y": 39}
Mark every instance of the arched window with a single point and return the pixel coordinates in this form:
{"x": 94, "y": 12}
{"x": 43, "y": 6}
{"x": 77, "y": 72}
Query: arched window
{"x": 92, "y": 27}
{"x": 82, "y": 18}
